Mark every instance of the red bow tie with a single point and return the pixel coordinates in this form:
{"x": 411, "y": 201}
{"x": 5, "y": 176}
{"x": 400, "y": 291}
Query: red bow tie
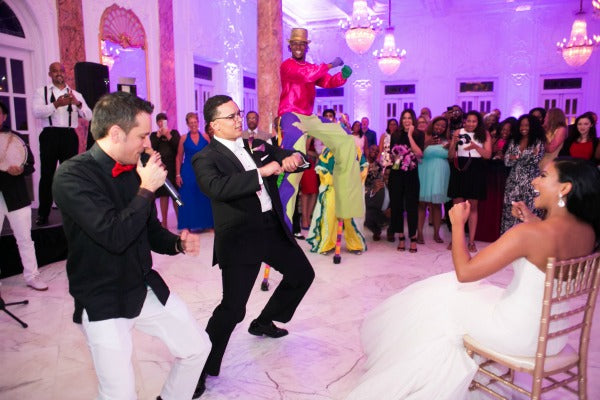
{"x": 120, "y": 168}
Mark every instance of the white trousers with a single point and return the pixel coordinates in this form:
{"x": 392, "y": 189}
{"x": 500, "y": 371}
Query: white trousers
{"x": 110, "y": 343}
{"x": 20, "y": 223}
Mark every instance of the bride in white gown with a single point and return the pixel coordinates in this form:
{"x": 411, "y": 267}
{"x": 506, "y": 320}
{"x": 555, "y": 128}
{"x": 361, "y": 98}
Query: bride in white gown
{"x": 413, "y": 340}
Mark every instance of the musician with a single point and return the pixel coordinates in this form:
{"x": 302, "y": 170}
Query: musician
{"x": 15, "y": 204}
{"x": 58, "y": 107}
{"x": 106, "y": 198}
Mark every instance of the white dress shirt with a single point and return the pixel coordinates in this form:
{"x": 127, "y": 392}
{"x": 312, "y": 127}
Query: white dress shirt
{"x": 60, "y": 115}
{"x": 237, "y": 148}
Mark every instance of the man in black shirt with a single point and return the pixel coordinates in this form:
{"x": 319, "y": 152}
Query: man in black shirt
{"x": 106, "y": 197}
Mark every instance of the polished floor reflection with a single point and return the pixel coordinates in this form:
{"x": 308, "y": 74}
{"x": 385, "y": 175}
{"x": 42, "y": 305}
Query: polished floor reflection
{"x": 320, "y": 359}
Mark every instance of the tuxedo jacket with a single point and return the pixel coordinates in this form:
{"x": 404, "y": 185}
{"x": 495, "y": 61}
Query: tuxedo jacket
{"x": 237, "y": 214}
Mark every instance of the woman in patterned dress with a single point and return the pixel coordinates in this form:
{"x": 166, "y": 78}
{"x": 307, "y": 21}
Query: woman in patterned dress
{"x": 524, "y": 152}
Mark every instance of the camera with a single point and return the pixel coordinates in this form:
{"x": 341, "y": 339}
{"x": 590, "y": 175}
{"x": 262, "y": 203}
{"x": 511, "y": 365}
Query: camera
{"x": 463, "y": 138}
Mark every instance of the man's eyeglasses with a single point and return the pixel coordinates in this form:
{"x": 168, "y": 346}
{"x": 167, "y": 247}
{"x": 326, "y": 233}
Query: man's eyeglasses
{"x": 239, "y": 114}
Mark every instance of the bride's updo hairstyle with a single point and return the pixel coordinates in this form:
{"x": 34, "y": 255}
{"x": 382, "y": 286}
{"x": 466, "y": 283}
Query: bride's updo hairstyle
{"x": 584, "y": 197}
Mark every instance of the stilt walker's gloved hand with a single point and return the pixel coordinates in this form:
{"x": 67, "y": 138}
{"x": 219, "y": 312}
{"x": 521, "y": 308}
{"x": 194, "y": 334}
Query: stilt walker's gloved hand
{"x": 346, "y": 72}
{"x": 337, "y": 62}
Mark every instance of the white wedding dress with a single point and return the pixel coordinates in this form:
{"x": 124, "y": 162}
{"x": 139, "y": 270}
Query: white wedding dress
{"x": 413, "y": 340}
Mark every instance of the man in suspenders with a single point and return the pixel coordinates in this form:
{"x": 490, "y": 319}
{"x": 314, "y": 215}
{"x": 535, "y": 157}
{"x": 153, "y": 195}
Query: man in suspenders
{"x": 58, "y": 107}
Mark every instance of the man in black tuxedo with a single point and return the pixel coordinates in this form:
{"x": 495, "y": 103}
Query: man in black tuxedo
{"x": 241, "y": 182}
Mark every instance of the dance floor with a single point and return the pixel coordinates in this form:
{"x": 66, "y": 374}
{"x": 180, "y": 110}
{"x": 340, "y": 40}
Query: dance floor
{"x": 320, "y": 359}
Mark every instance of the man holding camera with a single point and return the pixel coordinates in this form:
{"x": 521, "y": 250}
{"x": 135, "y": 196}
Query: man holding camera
{"x": 59, "y": 108}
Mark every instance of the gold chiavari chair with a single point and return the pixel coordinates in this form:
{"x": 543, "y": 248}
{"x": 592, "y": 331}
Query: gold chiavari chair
{"x": 574, "y": 281}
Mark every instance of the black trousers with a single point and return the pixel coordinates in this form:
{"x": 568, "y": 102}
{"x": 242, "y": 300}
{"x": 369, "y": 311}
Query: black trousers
{"x": 404, "y": 195}
{"x": 56, "y": 145}
{"x": 239, "y": 279}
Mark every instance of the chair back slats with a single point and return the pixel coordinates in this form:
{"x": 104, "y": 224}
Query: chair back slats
{"x": 570, "y": 293}
{"x": 565, "y": 331}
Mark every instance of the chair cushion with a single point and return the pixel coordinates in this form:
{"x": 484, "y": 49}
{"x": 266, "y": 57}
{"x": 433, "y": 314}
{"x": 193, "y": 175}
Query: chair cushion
{"x": 567, "y": 356}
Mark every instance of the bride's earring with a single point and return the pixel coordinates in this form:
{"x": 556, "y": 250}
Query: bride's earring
{"x": 561, "y": 201}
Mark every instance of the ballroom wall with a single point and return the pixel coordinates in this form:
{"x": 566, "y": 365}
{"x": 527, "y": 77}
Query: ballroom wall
{"x": 514, "y": 49}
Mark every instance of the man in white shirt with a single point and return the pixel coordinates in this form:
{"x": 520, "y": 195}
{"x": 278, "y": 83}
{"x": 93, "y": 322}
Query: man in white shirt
{"x": 59, "y": 108}
{"x": 253, "y": 131}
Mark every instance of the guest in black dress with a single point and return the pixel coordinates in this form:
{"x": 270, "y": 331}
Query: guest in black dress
{"x": 469, "y": 149}
{"x": 166, "y": 142}
{"x": 406, "y": 147}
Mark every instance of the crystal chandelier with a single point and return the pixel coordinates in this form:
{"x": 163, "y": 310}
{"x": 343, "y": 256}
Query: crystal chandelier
{"x": 389, "y": 57}
{"x": 578, "y": 48}
{"x": 361, "y": 28}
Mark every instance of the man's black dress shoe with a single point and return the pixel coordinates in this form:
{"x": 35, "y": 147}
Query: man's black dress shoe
{"x": 41, "y": 221}
{"x": 200, "y": 387}
{"x": 270, "y": 330}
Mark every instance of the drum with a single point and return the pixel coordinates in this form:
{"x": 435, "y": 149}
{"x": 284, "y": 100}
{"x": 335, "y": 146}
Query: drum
{"x": 13, "y": 151}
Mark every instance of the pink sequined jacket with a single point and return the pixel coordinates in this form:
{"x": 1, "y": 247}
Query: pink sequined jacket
{"x": 298, "y": 81}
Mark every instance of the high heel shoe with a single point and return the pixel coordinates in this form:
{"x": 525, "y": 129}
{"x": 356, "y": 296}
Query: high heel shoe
{"x": 401, "y": 246}
{"x": 413, "y": 245}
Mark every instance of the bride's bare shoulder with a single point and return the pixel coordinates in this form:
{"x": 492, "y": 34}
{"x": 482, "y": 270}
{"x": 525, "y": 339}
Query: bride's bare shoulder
{"x": 562, "y": 238}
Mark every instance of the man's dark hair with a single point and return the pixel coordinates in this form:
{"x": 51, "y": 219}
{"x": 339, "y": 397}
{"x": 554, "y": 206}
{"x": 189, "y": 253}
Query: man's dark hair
{"x": 327, "y": 111}
{"x": 541, "y": 110}
{"x": 4, "y": 108}
{"x": 211, "y": 105}
{"x": 161, "y": 116}
{"x": 119, "y": 108}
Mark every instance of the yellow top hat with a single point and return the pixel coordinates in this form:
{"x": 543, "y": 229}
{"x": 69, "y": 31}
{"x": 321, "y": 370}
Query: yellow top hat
{"x": 299, "y": 35}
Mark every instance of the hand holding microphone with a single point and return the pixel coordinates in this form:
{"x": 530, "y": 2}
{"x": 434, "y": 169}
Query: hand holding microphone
{"x": 151, "y": 171}
{"x": 154, "y": 175}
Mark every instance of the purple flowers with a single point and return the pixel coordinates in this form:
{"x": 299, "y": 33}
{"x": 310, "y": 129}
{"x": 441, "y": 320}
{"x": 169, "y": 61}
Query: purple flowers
{"x": 404, "y": 158}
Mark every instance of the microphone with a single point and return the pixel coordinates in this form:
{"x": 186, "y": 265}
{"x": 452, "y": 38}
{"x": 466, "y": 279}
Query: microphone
{"x": 144, "y": 157}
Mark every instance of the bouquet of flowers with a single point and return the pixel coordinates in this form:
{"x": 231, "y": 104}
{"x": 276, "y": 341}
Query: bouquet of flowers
{"x": 404, "y": 158}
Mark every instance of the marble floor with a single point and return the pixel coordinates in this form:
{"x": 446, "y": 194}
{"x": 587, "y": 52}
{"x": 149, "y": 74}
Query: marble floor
{"x": 320, "y": 359}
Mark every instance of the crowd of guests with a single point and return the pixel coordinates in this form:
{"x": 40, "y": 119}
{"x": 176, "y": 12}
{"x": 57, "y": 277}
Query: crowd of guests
{"x": 417, "y": 170}
{"x": 435, "y": 163}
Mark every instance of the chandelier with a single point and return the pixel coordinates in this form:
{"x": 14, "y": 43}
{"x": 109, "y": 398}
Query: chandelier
{"x": 361, "y": 28}
{"x": 389, "y": 57}
{"x": 596, "y": 5}
{"x": 578, "y": 48}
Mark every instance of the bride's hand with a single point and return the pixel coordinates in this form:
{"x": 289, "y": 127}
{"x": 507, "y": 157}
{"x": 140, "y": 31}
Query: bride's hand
{"x": 522, "y": 212}
{"x": 459, "y": 213}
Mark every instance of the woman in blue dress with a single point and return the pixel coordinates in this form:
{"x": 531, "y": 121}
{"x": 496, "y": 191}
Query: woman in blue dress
{"x": 196, "y": 212}
{"x": 434, "y": 174}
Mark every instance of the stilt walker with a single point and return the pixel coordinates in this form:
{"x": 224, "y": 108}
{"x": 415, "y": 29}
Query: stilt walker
{"x": 299, "y": 79}
{"x": 337, "y": 258}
